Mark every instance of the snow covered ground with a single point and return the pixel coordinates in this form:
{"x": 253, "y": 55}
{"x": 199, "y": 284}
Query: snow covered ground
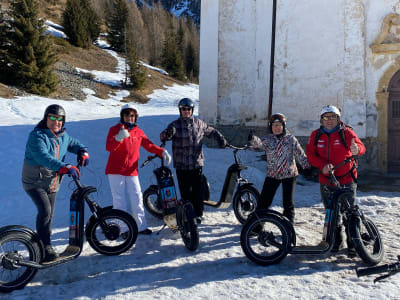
{"x": 159, "y": 266}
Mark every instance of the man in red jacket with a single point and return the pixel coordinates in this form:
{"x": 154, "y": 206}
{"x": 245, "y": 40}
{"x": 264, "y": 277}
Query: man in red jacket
{"x": 328, "y": 146}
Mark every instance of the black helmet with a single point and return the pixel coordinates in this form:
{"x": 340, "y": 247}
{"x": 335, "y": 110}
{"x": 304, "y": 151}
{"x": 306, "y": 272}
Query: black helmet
{"x": 278, "y": 117}
{"x": 54, "y": 109}
{"x": 186, "y": 102}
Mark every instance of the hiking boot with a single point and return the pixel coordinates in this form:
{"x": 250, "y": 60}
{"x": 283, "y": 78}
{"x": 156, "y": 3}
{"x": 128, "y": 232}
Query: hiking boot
{"x": 147, "y": 231}
{"x": 50, "y": 254}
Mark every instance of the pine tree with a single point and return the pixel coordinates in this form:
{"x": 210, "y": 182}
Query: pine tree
{"x": 117, "y": 22}
{"x": 29, "y": 54}
{"x": 81, "y": 23}
{"x": 4, "y": 74}
{"x": 171, "y": 57}
{"x": 191, "y": 65}
{"x": 137, "y": 73}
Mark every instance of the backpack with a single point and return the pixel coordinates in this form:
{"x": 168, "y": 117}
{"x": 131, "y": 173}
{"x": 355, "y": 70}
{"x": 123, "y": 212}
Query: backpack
{"x": 342, "y": 129}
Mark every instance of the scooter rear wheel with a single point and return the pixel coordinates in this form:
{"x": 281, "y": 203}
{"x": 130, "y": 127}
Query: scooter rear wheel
{"x": 16, "y": 245}
{"x": 245, "y": 202}
{"x": 152, "y": 203}
{"x": 265, "y": 240}
{"x": 187, "y": 226}
{"x": 118, "y": 236}
{"x": 368, "y": 248}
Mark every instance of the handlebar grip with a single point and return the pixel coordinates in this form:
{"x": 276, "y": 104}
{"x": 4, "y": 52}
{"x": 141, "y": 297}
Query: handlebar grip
{"x": 372, "y": 270}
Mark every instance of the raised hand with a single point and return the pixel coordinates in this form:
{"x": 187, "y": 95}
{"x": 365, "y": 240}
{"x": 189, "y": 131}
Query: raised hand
{"x": 353, "y": 147}
{"x": 122, "y": 134}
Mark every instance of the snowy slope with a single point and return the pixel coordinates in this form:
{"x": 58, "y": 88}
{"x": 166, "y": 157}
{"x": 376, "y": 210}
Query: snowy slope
{"x": 159, "y": 266}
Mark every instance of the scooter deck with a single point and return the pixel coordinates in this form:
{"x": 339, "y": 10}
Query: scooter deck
{"x": 306, "y": 249}
{"x": 217, "y": 204}
{"x": 69, "y": 253}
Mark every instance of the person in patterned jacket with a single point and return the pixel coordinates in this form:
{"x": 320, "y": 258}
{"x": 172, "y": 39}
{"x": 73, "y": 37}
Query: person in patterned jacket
{"x": 187, "y": 134}
{"x": 282, "y": 150}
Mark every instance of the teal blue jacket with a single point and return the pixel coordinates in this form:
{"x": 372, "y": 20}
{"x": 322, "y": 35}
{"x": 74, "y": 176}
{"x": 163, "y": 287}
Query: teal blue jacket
{"x": 44, "y": 148}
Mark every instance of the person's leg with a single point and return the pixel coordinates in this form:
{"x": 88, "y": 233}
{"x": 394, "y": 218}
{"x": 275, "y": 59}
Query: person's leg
{"x": 45, "y": 205}
{"x": 184, "y": 183}
{"x": 195, "y": 178}
{"x": 268, "y": 192}
{"x": 288, "y": 186}
{"x": 136, "y": 200}
{"x": 351, "y": 251}
{"x": 117, "y": 187}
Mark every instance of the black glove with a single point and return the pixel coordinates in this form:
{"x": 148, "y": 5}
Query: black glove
{"x": 250, "y": 136}
{"x": 222, "y": 143}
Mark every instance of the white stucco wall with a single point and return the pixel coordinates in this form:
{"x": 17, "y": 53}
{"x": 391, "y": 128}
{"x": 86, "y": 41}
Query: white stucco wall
{"x": 322, "y": 57}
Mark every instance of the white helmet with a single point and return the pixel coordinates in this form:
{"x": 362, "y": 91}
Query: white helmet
{"x": 331, "y": 109}
{"x": 127, "y": 106}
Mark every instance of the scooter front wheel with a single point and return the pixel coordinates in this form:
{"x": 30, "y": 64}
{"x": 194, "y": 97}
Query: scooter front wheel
{"x": 245, "y": 202}
{"x": 265, "y": 240}
{"x": 16, "y": 246}
{"x": 367, "y": 240}
{"x": 112, "y": 233}
{"x": 187, "y": 226}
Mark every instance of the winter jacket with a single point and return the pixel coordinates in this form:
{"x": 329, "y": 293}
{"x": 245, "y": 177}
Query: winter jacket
{"x": 330, "y": 149}
{"x": 44, "y": 156}
{"x": 187, "y": 141}
{"x": 124, "y": 155}
{"x": 282, "y": 153}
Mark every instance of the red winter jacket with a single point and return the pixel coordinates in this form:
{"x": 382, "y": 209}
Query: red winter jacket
{"x": 330, "y": 150}
{"x": 124, "y": 155}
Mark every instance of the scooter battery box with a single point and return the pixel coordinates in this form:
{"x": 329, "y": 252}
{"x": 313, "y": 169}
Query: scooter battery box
{"x": 168, "y": 196}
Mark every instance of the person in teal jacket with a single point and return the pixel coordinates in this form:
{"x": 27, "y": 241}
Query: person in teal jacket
{"x": 44, "y": 166}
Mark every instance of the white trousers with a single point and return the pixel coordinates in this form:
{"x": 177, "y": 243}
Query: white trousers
{"x": 128, "y": 185}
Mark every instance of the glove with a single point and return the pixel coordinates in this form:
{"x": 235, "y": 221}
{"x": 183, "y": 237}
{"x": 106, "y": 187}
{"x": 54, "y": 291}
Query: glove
{"x": 83, "y": 157}
{"x": 123, "y": 133}
{"x": 70, "y": 170}
{"x": 222, "y": 143}
{"x": 250, "y": 136}
{"x": 166, "y": 157}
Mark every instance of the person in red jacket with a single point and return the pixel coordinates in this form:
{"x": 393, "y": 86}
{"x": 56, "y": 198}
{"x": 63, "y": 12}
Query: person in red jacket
{"x": 328, "y": 146}
{"x": 123, "y": 142}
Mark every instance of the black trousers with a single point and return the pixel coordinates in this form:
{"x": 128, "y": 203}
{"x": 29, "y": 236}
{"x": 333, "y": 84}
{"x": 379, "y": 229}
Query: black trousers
{"x": 268, "y": 192}
{"x": 45, "y": 205}
{"x": 189, "y": 182}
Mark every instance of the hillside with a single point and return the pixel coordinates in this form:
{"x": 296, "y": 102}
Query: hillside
{"x": 93, "y": 58}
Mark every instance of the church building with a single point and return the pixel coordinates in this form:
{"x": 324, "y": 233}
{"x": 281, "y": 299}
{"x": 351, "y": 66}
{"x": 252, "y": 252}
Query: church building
{"x": 344, "y": 53}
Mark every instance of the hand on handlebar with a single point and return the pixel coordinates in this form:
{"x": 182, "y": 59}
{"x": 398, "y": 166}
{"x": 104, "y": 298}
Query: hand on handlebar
{"x": 327, "y": 168}
{"x": 70, "y": 170}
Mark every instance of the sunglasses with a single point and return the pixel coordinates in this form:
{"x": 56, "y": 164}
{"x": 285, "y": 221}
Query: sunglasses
{"x": 327, "y": 118}
{"x": 186, "y": 108}
{"x": 54, "y": 118}
{"x": 130, "y": 115}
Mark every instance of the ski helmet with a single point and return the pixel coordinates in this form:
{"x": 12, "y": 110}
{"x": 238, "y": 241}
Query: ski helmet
{"x": 186, "y": 102}
{"x": 125, "y": 107}
{"x": 54, "y": 109}
{"x": 330, "y": 109}
{"x": 278, "y": 117}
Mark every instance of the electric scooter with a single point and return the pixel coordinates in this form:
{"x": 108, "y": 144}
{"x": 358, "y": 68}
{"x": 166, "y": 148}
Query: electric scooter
{"x": 268, "y": 236}
{"x": 161, "y": 201}
{"x": 108, "y": 231}
{"x": 388, "y": 269}
{"x": 244, "y": 200}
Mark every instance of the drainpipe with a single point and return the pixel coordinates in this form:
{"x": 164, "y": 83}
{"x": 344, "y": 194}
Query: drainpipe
{"x": 272, "y": 61}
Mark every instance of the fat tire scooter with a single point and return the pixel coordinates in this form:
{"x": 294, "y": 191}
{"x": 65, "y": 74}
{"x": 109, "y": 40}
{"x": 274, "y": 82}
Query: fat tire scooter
{"x": 161, "y": 201}
{"x": 268, "y": 236}
{"x": 108, "y": 231}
